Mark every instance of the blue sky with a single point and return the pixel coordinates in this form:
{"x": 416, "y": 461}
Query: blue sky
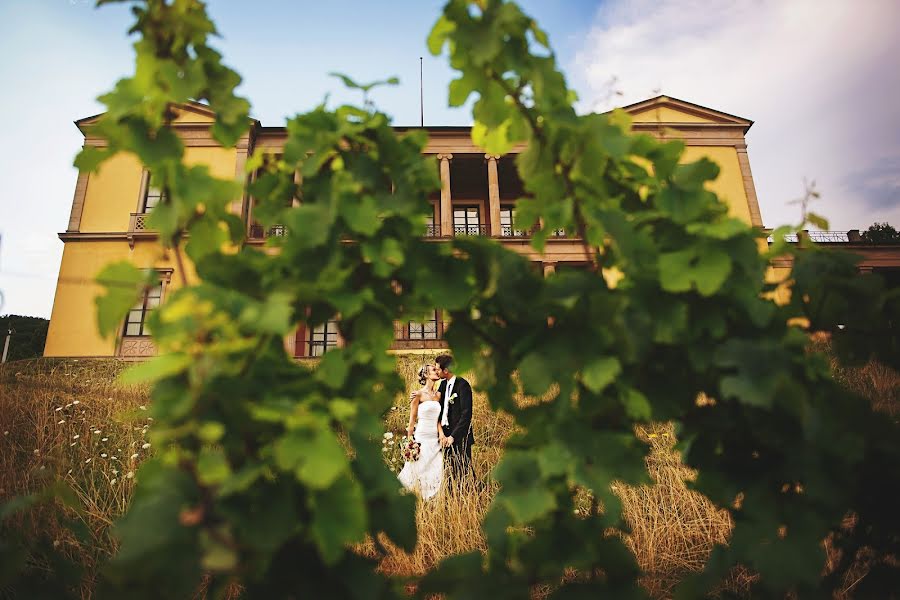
{"x": 825, "y": 97}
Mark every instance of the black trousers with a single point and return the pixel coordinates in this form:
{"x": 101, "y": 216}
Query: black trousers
{"x": 458, "y": 461}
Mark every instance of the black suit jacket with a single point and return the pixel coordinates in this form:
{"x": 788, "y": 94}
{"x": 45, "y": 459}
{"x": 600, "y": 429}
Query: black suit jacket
{"x": 459, "y": 413}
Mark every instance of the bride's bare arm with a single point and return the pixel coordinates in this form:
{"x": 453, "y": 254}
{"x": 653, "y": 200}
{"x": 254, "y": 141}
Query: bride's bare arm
{"x": 413, "y": 414}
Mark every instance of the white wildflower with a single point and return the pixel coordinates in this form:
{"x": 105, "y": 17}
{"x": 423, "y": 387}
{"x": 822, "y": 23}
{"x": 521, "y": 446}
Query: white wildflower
{"x": 384, "y": 449}
{"x": 135, "y": 455}
{"x": 389, "y": 435}
{"x": 145, "y": 446}
{"x": 87, "y": 461}
{"x": 114, "y": 471}
{"x": 36, "y": 451}
{"x": 70, "y": 472}
{"x": 61, "y": 421}
{"x": 142, "y": 407}
{"x": 68, "y": 405}
{"x": 6, "y": 433}
{"x": 43, "y": 467}
{"x": 59, "y": 408}
{"x": 393, "y": 460}
{"x": 77, "y": 402}
{"x": 149, "y": 418}
{"x": 104, "y": 439}
{"x": 113, "y": 481}
{"x": 97, "y": 431}
{"x": 114, "y": 457}
{"x": 76, "y": 436}
{"x": 103, "y": 455}
{"x": 129, "y": 475}
{"x": 72, "y": 444}
{"x": 56, "y": 543}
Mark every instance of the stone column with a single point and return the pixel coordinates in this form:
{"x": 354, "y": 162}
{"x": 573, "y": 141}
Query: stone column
{"x": 493, "y": 195}
{"x": 242, "y": 150}
{"x": 549, "y": 267}
{"x": 446, "y": 200}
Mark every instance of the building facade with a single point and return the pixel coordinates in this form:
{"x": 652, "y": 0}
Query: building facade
{"x": 477, "y": 197}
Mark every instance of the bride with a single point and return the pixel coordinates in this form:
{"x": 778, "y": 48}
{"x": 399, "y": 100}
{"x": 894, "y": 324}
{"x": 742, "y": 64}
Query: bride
{"x": 426, "y": 474}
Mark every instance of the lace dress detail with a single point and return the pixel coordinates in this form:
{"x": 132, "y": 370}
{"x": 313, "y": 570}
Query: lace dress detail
{"x": 425, "y": 475}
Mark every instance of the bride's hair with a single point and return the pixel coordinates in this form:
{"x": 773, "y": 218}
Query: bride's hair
{"x": 422, "y": 372}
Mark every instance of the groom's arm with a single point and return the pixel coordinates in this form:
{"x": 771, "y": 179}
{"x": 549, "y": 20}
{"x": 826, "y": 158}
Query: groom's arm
{"x": 461, "y": 430}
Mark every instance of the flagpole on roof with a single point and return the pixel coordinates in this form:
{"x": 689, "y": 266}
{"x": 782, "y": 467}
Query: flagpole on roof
{"x": 421, "y": 97}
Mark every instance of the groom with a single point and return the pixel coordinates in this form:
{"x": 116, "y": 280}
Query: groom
{"x": 456, "y": 420}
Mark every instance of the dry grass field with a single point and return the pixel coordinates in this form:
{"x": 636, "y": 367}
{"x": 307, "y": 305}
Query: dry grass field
{"x": 72, "y": 420}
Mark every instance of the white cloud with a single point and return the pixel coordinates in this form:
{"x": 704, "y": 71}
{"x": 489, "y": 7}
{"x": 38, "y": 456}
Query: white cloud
{"x": 819, "y": 77}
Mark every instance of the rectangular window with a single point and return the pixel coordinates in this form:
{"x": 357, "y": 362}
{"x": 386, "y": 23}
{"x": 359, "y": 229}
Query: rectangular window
{"x": 507, "y": 218}
{"x": 322, "y": 337}
{"x": 425, "y": 330}
{"x": 154, "y": 195}
{"x": 136, "y": 321}
{"x": 466, "y": 220}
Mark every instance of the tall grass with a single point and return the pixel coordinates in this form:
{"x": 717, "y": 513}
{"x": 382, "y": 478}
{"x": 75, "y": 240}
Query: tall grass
{"x": 51, "y": 412}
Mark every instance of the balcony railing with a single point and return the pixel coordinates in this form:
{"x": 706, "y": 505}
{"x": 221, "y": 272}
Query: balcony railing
{"x": 138, "y": 222}
{"x": 463, "y": 230}
{"x": 258, "y": 232}
{"x": 823, "y": 237}
{"x": 510, "y": 232}
{"x": 432, "y": 231}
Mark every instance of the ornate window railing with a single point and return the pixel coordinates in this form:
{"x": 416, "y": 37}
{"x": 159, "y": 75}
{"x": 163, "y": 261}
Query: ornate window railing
{"x": 138, "y": 222}
{"x": 432, "y": 231}
{"x": 259, "y": 232}
{"x": 462, "y": 230}
{"x": 511, "y": 232}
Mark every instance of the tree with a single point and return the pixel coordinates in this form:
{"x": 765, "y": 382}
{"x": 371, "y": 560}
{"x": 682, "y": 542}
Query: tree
{"x": 28, "y": 338}
{"x": 254, "y": 481}
{"x": 881, "y": 233}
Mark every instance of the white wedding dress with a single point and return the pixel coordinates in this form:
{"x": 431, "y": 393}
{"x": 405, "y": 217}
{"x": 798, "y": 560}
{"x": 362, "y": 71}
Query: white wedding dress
{"x": 425, "y": 475}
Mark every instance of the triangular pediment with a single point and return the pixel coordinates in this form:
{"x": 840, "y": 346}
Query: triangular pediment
{"x": 669, "y": 110}
{"x": 189, "y": 112}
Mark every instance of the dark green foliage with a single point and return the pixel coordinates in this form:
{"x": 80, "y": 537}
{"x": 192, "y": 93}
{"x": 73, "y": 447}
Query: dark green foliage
{"x": 881, "y": 233}
{"x": 29, "y": 335}
{"x": 253, "y": 481}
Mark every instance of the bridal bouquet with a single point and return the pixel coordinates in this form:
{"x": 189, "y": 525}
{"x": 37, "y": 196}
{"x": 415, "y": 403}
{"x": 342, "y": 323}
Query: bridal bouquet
{"x": 410, "y": 449}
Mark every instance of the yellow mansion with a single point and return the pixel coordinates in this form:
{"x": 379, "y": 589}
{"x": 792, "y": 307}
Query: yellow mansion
{"x": 478, "y": 195}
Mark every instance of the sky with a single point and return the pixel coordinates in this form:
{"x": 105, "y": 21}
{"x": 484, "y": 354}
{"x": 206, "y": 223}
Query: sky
{"x": 820, "y": 78}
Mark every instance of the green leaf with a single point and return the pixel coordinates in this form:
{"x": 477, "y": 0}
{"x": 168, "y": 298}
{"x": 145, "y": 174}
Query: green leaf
{"x": 333, "y": 369}
{"x": 339, "y": 518}
{"x": 124, "y": 284}
{"x": 600, "y": 372}
{"x": 90, "y": 157}
{"x": 362, "y": 216}
{"x": 704, "y": 270}
{"x": 212, "y": 466}
{"x": 439, "y": 34}
{"x": 817, "y": 221}
{"x": 535, "y": 374}
{"x": 636, "y": 404}
{"x": 522, "y": 494}
{"x": 313, "y": 454}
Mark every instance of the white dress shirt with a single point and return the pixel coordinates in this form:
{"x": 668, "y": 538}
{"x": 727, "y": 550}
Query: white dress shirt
{"x": 447, "y": 392}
